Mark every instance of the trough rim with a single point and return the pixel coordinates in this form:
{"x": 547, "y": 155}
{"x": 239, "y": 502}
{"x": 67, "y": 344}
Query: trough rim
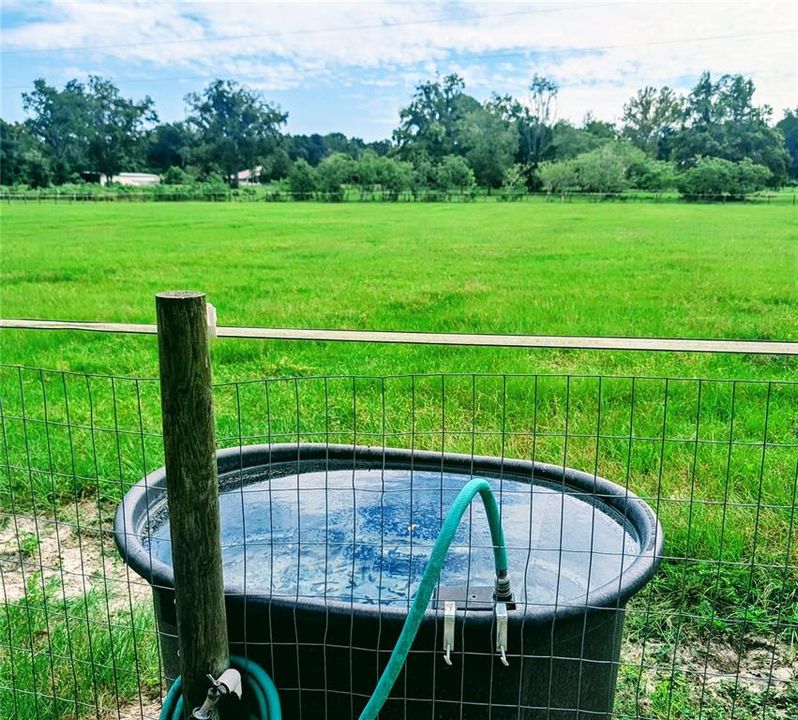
{"x": 131, "y": 520}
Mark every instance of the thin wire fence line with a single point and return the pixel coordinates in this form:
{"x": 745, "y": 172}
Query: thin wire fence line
{"x": 409, "y": 376}
{"x": 561, "y": 342}
{"x": 251, "y": 193}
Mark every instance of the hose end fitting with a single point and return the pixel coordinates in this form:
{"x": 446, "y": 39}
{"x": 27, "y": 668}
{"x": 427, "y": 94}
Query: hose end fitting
{"x": 503, "y": 592}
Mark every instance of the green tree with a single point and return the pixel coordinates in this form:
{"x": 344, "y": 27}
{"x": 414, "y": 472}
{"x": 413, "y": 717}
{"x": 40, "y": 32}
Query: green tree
{"x": 59, "y": 119}
{"x": 602, "y": 170}
{"x": 641, "y": 171}
{"x": 333, "y": 173}
{"x": 489, "y": 143}
{"x": 514, "y": 185}
{"x": 234, "y": 127}
{"x": 176, "y": 176}
{"x": 751, "y": 177}
{"x": 388, "y": 175}
{"x": 11, "y": 150}
{"x": 394, "y": 176}
{"x": 789, "y": 128}
{"x": 650, "y": 118}
{"x": 116, "y": 127}
{"x": 429, "y": 126}
{"x": 424, "y": 176}
{"x": 715, "y": 177}
{"x": 337, "y": 142}
{"x": 569, "y": 141}
{"x": 169, "y": 146}
{"x": 302, "y": 180}
{"x": 653, "y": 175}
{"x": 88, "y": 127}
{"x": 277, "y": 166}
{"x": 453, "y": 173}
{"x": 22, "y": 157}
{"x": 533, "y": 120}
{"x": 311, "y": 148}
{"x": 381, "y": 147}
{"x": 558, "y": 178}
{"x": 366, "y": 171}
{"x": 721, "y": 120}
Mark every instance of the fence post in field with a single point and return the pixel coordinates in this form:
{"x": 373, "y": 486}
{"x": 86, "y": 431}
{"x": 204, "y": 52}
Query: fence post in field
{"x": 192, "y": 489}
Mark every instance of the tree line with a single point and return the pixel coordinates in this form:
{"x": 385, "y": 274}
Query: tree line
{"x": 711, "y": 141}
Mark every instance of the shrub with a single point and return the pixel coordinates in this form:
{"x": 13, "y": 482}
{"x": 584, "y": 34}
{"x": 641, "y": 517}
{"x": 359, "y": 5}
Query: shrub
{"x": 376, "y": 173}
{"x": 176, "y": 176}
{"x": 302, "y": 180}
{"x": 558, "y": 177}
{"x": 752, "y": 177}
{"x": 654, "y": 175}
{"x": 514, "y": 185}
{"x": 453, "y": 173}
{"x": 716, "y": 177}
{"x": 602, "y": 170}
{"x": 394, "y": 176}
{"x": 333, "y": 173}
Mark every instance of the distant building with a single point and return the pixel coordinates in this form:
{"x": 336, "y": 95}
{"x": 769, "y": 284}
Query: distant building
{"x": 249, "y": 177}
{"x": 135, "y": 179}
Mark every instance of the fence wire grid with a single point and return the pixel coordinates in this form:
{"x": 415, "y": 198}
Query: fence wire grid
{"x": 712, "y": 636}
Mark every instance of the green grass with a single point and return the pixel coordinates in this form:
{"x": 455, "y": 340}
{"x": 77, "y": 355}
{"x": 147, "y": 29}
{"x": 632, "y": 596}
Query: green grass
{"x": 678, "y": 696}
{"x": 589, "y": 269}
{"x": 716, "y": 459}
{"x": 64, "y": 657}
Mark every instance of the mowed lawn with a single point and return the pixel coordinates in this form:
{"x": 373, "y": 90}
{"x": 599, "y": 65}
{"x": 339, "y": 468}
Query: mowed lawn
{"x": 577, "y": 268}
{"x": 715, "y": 458}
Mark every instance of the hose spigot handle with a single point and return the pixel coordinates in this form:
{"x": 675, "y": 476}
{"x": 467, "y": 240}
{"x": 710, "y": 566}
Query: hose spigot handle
{"x": 228, "y": 683}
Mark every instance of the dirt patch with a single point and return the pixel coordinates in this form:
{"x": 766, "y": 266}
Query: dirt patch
{"x": 718, "y": 671}
{"x": 76, "y": 555}
{"x": 146, "y": 710}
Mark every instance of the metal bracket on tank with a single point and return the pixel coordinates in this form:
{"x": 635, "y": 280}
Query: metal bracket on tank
{"x": 501, "y": 632}
{"x": 466, "y": 597}
{"x": 449, "y": 611}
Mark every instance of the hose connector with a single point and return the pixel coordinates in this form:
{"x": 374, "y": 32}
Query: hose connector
{"x": 503, "y": 592}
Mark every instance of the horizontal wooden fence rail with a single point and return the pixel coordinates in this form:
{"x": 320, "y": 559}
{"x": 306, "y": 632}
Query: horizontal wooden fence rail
{"x": 754, "y": 347}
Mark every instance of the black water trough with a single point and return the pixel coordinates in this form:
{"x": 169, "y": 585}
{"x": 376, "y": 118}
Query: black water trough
{"x": 324, "y": 546}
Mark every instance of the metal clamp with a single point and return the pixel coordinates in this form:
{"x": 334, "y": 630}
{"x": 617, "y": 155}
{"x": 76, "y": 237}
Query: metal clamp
{"x": 501, "y": 632}
{"x": 449, "y": 608}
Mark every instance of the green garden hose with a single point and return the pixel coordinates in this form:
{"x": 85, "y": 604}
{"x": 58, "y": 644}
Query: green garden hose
{"x": 430, "y": 579}
{"x": 259, "y": 689}
{"x": 259, "y": 685}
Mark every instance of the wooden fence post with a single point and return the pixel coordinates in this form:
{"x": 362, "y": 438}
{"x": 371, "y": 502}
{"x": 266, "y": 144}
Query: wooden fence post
{"x": 192, "y": 489}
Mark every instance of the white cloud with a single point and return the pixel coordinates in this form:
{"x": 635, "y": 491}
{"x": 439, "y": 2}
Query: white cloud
{"x": 276, "y": 46}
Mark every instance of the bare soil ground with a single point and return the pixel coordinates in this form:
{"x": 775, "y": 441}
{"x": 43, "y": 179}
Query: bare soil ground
{"x": 79, "y": 556}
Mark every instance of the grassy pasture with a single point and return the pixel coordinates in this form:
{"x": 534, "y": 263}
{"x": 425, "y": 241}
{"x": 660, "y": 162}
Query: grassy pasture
{"x": 716, "y": 458}
{"x": 546, "y": 268}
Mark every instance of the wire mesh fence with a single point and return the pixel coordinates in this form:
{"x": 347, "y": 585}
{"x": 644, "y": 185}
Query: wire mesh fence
{"x": 323, "y": 553}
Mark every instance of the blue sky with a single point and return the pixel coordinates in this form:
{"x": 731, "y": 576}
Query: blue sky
{"x": 351, "y": 66}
